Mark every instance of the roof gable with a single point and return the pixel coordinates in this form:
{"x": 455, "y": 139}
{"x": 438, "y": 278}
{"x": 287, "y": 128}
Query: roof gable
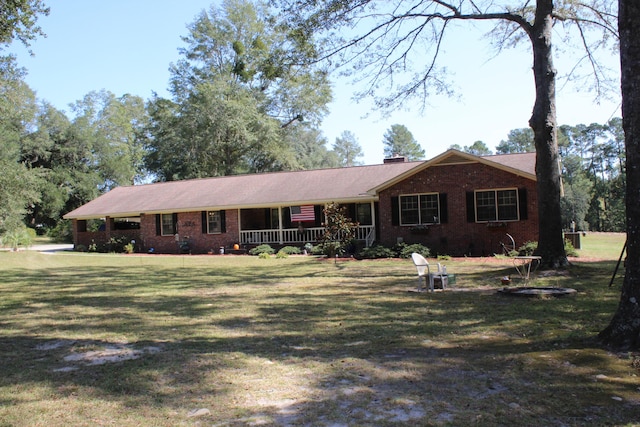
{"x": 520, "y": 164}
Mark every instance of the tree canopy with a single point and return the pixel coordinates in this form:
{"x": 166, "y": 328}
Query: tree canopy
{"x": 18, "y": 20}
{"x": 348, "y": 149}
{"x": 399, "y": 141}
{"x": 237, "y": 93}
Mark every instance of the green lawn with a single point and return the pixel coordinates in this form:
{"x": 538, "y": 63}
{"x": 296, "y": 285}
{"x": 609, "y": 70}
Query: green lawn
{"x": 88, "y": 339}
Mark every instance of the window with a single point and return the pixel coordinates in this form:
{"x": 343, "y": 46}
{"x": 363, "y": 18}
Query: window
{"x": 363, "y": 214}
{"x": 167, "y": 224}
{"x": 419, "y": 209}
{"x": 496, "y": 205}
{"x": 214, "y": 222}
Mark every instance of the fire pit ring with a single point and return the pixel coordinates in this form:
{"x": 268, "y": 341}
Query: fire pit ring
{"x": 532, "y": 291}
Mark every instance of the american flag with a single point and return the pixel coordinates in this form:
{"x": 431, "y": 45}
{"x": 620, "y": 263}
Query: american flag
{"x": 302, "y": 213}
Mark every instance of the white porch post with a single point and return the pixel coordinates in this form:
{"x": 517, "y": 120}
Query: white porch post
{"x": 240, "y": 226}
{"x": 373, "y": 221}
{"x": 280, "y": 236}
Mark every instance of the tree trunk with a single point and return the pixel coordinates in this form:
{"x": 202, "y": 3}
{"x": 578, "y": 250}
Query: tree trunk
{"x": 543, "y": 123}
{"x": 624, "y": 330}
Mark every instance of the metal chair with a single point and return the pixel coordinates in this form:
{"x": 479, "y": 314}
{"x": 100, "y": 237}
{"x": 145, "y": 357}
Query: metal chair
{"x": 425, "y": 273}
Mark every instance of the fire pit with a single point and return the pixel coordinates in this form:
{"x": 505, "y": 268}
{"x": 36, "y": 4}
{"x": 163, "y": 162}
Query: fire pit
{"x": 529, "y": 291}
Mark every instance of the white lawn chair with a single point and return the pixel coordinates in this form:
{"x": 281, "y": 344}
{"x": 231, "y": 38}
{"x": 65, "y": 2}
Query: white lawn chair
{"x": 425, "y": 273}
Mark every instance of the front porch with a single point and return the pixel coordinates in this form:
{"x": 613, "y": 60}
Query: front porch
{"x": 295, "y": 236}
{"x": 277, "y": 226}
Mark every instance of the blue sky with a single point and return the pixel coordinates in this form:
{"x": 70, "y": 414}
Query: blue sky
{"x": 126, "y": 46}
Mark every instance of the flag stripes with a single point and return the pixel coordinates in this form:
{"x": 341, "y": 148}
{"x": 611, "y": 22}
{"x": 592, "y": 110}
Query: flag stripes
{"x": 302, "y": 213}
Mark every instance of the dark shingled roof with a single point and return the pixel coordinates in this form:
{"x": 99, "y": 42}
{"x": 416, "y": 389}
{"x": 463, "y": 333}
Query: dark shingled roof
{"x": 254, "y": 190}
{"x": 344, "y": 185}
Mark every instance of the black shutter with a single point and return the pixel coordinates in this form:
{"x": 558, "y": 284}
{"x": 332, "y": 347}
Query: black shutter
{"x": 175, "y": 223}
{"x": 395, "y": 211}
{"x": 444, "y": 212}
{"x": 318, "y": 211}
{"x": 205, "y": 228}
{"x": 223, "y": 221}
{"x": 471, "y": 207}
{"x": 158, "y": 225}
{"x": 522, "y": 200}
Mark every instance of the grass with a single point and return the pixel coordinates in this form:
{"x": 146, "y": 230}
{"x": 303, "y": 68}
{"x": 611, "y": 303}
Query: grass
{"x": 299, "y": 341}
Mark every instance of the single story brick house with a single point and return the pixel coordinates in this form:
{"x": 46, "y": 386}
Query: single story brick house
{"x": 456, "y": 204}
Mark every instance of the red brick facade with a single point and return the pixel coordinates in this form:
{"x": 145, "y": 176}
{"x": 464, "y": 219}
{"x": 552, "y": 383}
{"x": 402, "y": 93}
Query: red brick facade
{"x": 458, "y": 236}
{"x": 189, "y": 228}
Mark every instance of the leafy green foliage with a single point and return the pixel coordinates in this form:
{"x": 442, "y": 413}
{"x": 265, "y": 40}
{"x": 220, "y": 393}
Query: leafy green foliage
{"x": 282, "y": 255}
{"x": 376, "y": 252}
{"x": 347, "y": 149}
{"x": 398, "y": 141}
{"x": 518, "y": 141}
{"x": 236, "y": 97}
{"x": 528, "y": 248}
{"x": 291, "y": 250}
{"x": 18, "y": 237}
{"x": 262, "y": 249}
{"x": 404, "y": 250}
{"x": 339, "y": 230}
{"x": 18, "y": 20}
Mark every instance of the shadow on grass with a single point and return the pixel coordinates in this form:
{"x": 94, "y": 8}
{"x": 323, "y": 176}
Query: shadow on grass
{"x": 313, "y": 344}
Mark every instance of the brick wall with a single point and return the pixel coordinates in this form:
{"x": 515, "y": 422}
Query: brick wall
{"x": 189, "y": 226}
{"x": 457, "y": 236}
{"x": 84, "y": 238}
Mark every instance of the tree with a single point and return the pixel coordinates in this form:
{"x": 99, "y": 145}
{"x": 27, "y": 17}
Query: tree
{"x": 18, "y": 20}
{"x": 623, "y": 331}
{"x": 594, "y": 152}
{"x": 398, "y": 141}
{"x": 111, "y": 127}
{"x": 518, "y": 141}
{"x": 339, "y": 230}
{"x": 577, "y": 193}
{"x": 18, "y": 182}
{"x": 387, "y": 34}
{"x": 237, "y": 91}
{"x": 310, "y": 148}
{"x": 478, "y": 148}
{"x": 218, "y": 130}
{"x": 347, "y": 149}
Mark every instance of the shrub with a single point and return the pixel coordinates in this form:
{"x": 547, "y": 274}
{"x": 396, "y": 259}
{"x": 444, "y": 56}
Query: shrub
{"x": 405, "y": 251}
{"x": 375, "y": 252}
{"x": 262, "y": 249}
{"x": 528, "y": 248}
{"x": 444, "y": 257}
{"x": 62, "y": 232}
{"x": 569, "y": 248}
{"x": 128, "y": 248}
{"x": 264, "y": 255}
{"x": 21, "y": 236}
{"x": 290, "y": 250}
{"x": 317, "y": 250}
{"x": 282, "y": 255}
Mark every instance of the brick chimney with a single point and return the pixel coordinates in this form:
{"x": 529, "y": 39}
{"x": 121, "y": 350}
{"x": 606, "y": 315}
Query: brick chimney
{"x": 396, "y": 159}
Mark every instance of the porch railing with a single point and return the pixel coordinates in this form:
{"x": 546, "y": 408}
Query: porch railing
{"x": 365, "y": 233}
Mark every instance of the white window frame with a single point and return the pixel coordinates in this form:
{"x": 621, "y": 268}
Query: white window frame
{"x": 167, "y": 224}
{"x": 496, "y": 204}
{"x": 209, "y": 231}
{"x": 420, "y": 219}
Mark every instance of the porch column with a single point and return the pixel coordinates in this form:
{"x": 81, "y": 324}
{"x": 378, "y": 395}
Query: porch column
{"x": 240, "y": 226}
{"x": 373, "y": 220}
{"x": 280, "y": 236}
